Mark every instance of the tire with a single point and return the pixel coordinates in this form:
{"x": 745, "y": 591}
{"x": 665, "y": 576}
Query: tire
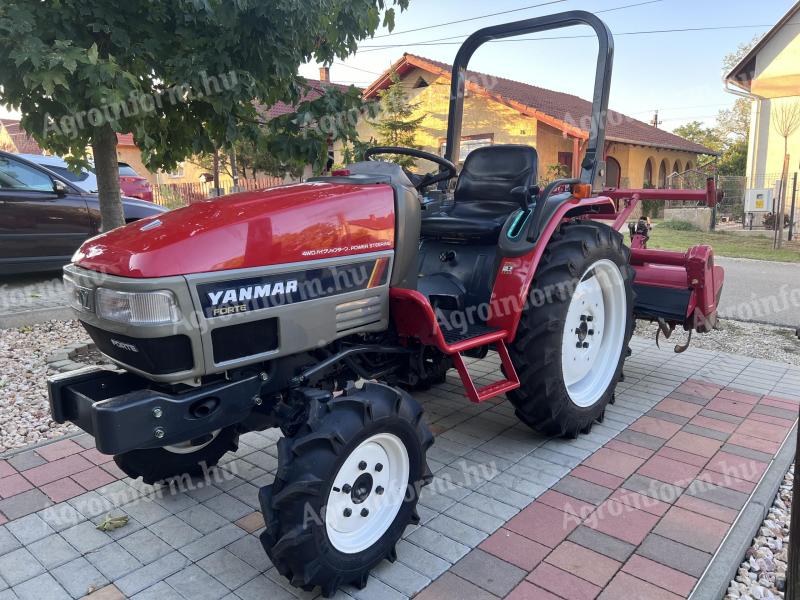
{"x": 556, "y": 398}
{"x": 307, "y": 536}
{"x": 157, "y": 464}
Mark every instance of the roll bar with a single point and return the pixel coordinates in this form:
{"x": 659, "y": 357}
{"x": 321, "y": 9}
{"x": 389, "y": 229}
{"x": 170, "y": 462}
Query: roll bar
{"x": 602, "y": 83}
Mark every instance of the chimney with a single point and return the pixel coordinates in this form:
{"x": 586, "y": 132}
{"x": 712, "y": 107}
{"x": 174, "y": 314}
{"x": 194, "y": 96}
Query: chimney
{"x": 325, "y": 74}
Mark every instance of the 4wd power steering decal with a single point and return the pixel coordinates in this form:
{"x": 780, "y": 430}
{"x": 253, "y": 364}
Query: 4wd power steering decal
{"x": 255, "y": 293}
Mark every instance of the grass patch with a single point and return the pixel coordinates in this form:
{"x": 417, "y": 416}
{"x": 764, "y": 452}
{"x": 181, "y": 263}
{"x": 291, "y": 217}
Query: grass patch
{"x": 672, "y": 235}
{"x": 679, "y": 226}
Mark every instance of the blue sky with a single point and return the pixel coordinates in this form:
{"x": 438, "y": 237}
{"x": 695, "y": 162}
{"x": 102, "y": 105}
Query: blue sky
{"x": 677, "y": 73}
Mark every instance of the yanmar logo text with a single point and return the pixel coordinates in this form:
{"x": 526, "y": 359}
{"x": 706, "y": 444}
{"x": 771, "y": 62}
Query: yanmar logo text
{"x": 252, "y": 292}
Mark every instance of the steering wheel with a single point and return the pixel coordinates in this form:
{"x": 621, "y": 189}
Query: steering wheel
{"x": 447, "y": 170}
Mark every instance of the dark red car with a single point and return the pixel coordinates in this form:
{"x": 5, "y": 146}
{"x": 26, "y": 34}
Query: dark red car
{"x": 133, "y": 184}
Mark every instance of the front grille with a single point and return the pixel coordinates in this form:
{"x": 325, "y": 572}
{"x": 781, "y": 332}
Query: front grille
{"x": 159, "y": 356}
{"x": 245, "y": 339}
{"x": 358, "y": 313}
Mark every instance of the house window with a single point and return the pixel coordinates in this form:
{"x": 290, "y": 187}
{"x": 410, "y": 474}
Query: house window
{"x": 648, "y": 174}
{"x": 421, "y": 83}
{"x": 613, "y": 172}
{"x": 662, "y": 175}
{"x": 468, "y": 144}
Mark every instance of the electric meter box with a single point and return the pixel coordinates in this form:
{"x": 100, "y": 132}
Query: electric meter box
{"x": 759, "y": 200}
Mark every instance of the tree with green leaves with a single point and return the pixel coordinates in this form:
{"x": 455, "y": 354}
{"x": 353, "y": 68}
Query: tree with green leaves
{"x": 396, "y": 125}
{"x": 183, "y": 76}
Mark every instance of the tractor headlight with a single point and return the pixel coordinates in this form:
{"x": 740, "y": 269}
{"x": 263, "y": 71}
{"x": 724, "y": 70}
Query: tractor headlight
{"x": 137, "y": 308}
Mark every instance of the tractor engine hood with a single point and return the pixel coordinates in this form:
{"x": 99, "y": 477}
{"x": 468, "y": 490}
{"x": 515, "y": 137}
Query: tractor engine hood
{"x": 286, "y": 224}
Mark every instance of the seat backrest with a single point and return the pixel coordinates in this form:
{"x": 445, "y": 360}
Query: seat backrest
{"x": 491, "y": 172}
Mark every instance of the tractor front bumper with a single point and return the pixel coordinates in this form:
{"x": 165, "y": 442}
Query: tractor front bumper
{"x": 124, "y": 413}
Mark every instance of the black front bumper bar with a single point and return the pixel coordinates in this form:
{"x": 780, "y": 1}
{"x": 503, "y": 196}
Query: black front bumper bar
{"x": 123, "y": 412}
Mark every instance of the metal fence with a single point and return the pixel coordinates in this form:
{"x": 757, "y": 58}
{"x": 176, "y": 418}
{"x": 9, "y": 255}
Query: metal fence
{"x": 175, "y": 195}
{"x": 735, "y": 211}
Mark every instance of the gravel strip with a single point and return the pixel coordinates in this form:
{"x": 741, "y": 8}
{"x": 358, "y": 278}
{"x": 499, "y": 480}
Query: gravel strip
{"x": 24, "y": 410}
{"x": 754, "y": 340}
{"x": 762, "y": 575}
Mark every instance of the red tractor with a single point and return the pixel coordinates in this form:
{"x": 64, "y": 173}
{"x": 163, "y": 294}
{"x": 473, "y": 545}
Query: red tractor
{"x": 313, "y": 307}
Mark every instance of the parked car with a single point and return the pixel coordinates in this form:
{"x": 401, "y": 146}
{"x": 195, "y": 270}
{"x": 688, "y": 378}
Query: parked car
{"x": 133, "y": 184}
{"x": 44, "y": 216}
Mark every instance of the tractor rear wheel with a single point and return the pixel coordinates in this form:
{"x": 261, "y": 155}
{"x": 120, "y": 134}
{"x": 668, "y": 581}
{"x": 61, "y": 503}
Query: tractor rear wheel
{"x": 573, "y": 335}
{"x": 188, "y": 458}
{"x": 347, "y": 487}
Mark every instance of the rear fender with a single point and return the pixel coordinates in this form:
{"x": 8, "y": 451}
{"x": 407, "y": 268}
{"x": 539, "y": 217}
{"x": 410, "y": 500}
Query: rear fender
{"x": 511, "y": 288}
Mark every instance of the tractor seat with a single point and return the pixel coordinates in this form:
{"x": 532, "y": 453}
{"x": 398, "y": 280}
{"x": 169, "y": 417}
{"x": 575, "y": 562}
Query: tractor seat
{"x": 482, "y": 199}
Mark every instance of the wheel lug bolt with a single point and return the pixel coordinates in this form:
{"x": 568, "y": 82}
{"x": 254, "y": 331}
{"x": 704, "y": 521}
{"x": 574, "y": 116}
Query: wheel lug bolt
{"x": 364, "y": 512}
{"x": 362, "y": 466}
{"x": 347, "y": 512}
{"x": 591, "y": 332}
{"x": 583, "y": 318}
{"x": 379, "y": 467}
{"x": 590, "y": 318}
{"x": 585, "y": 344}
{"x": 379, "y": 490}
{"x": 579, "y": 345}
{"x": 346, "y": 488}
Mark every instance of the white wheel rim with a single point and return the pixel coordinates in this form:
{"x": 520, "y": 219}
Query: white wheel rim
{"x": 188, "y": 447}
{"x": 376, "y": 473}
{"x": 594, "y": 332}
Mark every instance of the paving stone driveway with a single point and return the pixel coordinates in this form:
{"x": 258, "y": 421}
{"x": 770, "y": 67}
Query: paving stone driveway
{"x": 635, "y": 509}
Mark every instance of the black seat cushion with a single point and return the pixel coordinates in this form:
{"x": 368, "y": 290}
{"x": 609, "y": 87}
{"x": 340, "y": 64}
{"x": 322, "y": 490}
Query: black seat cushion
{"x": 482, "y": 197}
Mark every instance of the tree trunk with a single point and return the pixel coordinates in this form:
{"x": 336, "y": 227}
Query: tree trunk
{"x": 104, "y": 148}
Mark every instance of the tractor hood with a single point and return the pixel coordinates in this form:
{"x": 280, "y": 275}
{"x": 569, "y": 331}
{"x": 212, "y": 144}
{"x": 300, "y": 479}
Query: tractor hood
{"x": 286, "y": 224}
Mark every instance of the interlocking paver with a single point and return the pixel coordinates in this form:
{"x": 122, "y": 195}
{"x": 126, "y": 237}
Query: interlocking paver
{"x": 193, "y": 582}
{"x": 659, "y": 575}
{"x": 622, "y": 521}
{"x": 7, "y": 541}
{"x": 160, "y": 591}
{"x": 19, "y": 565}
{"x": 29, "y": 529}
{"x": 669, "y": 470}
{"x": 85, "y": 537}
{"x": 24, "y": 504}
{"x": 79, "y": 577}
{"x": 151, "y": 574}
{"x": 43, "y": 587}
{"x": 250, "y": 550}
{"x": 227, "y": 568}
{"x": 53, "y": 551}
{"x": 527, "y": 591}
{"x": 589, "y": 565}
{"x": 582, "y": 490}
{"x": 692, "y": 529}
{"x": 113, "y": 561}
{"x": 145, "y": 546}
{"x": 674, "y": 554}
{"x": 627, "y": 586}
{"x": 452, "y": 587}
{"x": 562, "y": 583}
{"x": 401, "y": 578}
{"x": 515, "y": 549}
{"x": 438, "y": 544}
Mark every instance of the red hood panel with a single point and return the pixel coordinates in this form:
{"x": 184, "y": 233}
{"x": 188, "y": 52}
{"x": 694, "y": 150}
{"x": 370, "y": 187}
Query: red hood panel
{"x": 291, "y": 223}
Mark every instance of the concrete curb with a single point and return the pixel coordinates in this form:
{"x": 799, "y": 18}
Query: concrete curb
{"x": 39, "y": 315}
{"x": 723, "y": 566}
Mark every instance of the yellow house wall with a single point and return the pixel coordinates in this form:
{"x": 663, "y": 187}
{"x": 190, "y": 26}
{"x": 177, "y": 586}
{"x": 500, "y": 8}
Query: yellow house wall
{"x": 776, "y": 84}
{"x": 484, "y": 115}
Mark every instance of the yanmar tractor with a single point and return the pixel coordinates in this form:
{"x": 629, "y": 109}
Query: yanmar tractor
{"x": 313, "y": 307}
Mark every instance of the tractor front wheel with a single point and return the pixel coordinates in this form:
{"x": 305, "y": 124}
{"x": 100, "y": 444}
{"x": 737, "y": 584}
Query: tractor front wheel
{"x": 573, "y": 335}
{"x": 347, "y": 487}
{"x": 192, "y": 457}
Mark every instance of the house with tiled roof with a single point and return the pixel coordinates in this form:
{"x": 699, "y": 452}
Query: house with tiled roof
{"x": 503, "y": 111}
{"x": 13, "y": 138}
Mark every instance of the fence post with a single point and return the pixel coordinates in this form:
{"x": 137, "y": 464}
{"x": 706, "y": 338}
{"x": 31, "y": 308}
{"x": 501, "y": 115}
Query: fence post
{"x": 791, "y": 211}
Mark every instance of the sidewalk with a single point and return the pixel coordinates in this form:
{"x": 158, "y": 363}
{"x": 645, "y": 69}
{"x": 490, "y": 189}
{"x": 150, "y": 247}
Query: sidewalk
{"x": 636, "y": 509}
